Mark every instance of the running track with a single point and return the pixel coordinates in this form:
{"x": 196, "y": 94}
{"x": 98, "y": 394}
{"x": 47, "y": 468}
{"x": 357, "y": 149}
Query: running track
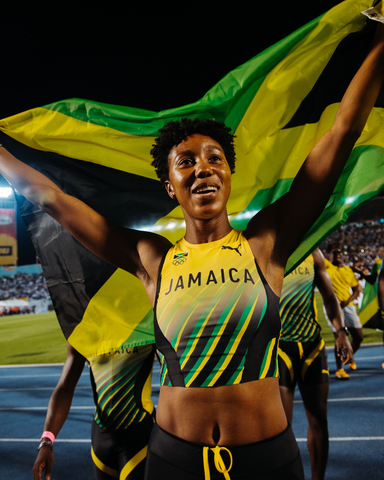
{"x": 355, "y": 416}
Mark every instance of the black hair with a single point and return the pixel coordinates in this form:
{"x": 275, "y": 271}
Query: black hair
{"x": 173, "y": 133}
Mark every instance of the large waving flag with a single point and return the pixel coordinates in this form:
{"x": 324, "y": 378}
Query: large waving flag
{"x": 278, "y": 104}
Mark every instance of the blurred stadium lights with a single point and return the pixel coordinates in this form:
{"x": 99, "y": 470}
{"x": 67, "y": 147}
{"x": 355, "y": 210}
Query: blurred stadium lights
{"x": 5, "y": 192}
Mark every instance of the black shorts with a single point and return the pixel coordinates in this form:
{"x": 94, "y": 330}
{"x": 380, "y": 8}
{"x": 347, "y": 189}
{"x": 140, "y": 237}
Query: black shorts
{"x": 121, "y": 454}
{"x": 303, "y": 363}
{"x": 172, "y": 458}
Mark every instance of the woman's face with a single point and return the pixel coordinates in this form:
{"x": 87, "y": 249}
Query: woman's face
{"x": 199, "y": 177}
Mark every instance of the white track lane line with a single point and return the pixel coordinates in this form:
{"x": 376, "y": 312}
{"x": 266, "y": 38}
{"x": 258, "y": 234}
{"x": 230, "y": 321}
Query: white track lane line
{"x": 354, "y": 399}
{"x": 24, "y": 409}
{"x": 23, "y": 389}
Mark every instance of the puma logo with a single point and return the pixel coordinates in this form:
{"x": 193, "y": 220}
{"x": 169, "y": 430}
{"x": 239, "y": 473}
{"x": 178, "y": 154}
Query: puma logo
{"x": 236, "y": 249}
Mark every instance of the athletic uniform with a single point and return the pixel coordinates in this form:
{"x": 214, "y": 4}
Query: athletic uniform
{"x": 124, "y": 413}
{"x": 302, "y": 354}
{"x": 343, "y": 279}
{"x": 216, "y": 323}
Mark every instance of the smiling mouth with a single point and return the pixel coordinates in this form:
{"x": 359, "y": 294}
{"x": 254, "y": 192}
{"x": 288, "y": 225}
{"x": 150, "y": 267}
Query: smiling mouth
{"x": 204, "y": 189}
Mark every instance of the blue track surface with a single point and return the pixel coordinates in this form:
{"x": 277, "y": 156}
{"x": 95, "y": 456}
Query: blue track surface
{"x": 355, "y": 416}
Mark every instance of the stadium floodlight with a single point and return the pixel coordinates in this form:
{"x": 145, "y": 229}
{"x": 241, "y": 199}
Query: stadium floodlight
{"x": 5, "y": 192}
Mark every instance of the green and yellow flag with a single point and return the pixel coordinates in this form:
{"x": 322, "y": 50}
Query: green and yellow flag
{"x": 278, "y": 104}
{"x": 369, "y": 311}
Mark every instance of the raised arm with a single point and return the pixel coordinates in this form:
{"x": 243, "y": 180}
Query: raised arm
{"x": 282, "y": 225}
{"x": 135, "y": 251}
{"x": 58, "y": 409}
{"x": 332, "y": 306}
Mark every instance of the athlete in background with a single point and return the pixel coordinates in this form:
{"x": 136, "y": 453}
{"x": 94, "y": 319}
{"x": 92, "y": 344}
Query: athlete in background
{"x": 374, "y": 278}
{"x": 124, "y": 415}
{"x": 302, "y": 354}
{"x": 380, "y": 296}
{"x": 347, "y": 289}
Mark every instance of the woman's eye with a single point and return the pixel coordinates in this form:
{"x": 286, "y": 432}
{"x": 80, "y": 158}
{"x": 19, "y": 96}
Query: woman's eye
{"x": 185, "y": 161}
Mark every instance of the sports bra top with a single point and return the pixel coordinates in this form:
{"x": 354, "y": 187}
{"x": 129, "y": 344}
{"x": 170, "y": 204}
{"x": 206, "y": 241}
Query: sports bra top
{"x": 216, "y": 318}
{"x": 121, "y": 383}
{"x": 297, "y": 305}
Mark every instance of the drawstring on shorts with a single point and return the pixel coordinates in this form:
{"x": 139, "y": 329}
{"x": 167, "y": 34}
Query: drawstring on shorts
{"x": 301, "y": 350}
{"x": 219, "y": 462}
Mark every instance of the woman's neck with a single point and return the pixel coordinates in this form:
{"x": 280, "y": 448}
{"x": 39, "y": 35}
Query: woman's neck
{"x": 205, "y": 231}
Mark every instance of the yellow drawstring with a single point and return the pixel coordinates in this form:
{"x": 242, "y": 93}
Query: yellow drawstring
{"x": 219, "y": 462}
{"x": 301, "y": 350}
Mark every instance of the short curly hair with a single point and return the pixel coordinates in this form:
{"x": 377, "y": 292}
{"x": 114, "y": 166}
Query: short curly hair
{"x": 173, "y": 133}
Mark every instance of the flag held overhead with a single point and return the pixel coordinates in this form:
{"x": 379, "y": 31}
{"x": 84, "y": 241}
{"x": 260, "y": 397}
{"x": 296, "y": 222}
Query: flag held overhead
{"x": 278, "y": 104}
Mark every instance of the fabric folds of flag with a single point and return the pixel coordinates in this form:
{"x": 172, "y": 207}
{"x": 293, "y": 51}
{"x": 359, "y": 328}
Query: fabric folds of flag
{"x": 369, "y": 311}
{"x": 278, "y": 104}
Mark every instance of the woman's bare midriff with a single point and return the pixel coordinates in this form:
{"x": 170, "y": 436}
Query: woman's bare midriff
{"x": 228, "y": 415}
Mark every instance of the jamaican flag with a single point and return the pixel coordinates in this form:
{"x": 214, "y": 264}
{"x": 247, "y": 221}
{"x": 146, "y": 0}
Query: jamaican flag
{"x": 369, "y": 311}
{"x": 278, "y": 104}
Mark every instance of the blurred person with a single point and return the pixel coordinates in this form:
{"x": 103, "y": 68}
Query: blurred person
{"x": 124, "y": 414}
{"x": 302, "y": 354}
{"x": 347, "y": 289}
{"x": 380, "y": 296}
{"x": 362, "y": 270}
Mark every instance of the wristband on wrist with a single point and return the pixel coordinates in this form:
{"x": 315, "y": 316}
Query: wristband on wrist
{"x": 45, "y": 443}
{"x": 49, "y": 435}
{"x": 382, "y": 313}
{"x": 343, "y": 329}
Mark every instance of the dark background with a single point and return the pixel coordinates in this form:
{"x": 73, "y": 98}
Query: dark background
{"x": 137, "y": 54}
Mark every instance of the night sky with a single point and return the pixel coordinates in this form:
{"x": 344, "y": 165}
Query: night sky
{"x": 132, "y": 54}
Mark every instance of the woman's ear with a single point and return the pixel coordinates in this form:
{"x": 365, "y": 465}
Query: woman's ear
{"x": 169, "y": 188}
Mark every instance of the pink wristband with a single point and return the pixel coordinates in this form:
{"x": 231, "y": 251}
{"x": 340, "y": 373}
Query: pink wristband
{"x": 49, "y": 435}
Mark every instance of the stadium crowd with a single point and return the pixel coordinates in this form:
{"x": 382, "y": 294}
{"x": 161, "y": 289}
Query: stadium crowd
{"x": 361, "y": 243}
{"x": 23, "y": 285}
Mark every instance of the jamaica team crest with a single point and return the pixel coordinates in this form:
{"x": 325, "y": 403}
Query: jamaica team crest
{"x": 179, "y": 258}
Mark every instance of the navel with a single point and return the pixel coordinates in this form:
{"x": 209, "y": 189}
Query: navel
{"x": 216, "y": 434}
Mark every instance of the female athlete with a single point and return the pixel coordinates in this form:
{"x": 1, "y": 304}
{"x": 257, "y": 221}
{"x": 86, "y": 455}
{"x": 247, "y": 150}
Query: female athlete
{"x": 216, "y": 292}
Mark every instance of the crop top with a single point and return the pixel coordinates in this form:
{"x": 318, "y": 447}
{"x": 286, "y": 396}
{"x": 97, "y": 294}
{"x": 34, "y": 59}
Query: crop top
{"x": 121, "y": 383}
{"x": 297, "y": 305}
{"x": 216, "y": 319}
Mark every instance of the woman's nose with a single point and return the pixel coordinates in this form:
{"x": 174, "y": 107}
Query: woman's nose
{"x": 203, "y": 169}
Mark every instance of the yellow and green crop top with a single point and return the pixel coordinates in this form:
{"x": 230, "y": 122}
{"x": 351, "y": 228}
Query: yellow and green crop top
{"x": 216, "y": 318}
{"x": 121, "y": 383}
{"x": 298, "y": 310}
